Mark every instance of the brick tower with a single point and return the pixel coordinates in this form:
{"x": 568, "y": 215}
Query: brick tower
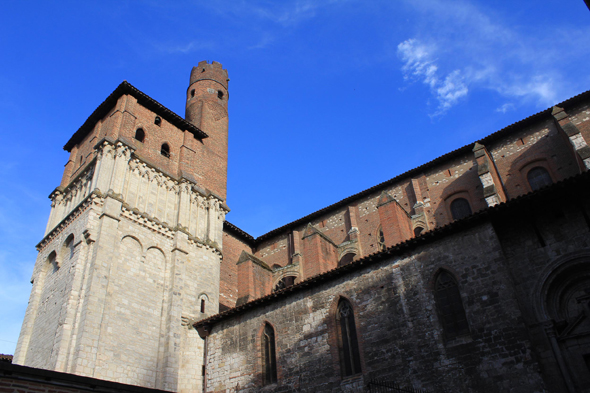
{"x": 132, "y": 250}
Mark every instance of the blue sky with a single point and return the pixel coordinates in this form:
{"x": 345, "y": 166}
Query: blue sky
{"x": 327, "y": 97}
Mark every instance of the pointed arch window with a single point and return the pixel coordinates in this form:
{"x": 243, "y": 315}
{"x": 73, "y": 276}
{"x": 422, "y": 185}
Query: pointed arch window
{"x": 450, "y": 306}
{"x": 538, "y": 177}
{"x": 269, "y": 357}
{"x": 350, "y": 362}
{"x": 460, "y": 208}
{"x": 380, "y": 239}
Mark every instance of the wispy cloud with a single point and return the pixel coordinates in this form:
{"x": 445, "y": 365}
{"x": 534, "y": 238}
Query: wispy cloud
{"x": 505, "y": 108}
{"x": 460, "y": 47}
{"x": 420, "y": 64}
{"x": 184, "y": 48}
{"x": 285, "y": 13}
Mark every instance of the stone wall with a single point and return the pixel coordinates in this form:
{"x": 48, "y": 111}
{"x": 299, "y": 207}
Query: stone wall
{"x": 400, "y": 336}
{"x": 119, "y": 278}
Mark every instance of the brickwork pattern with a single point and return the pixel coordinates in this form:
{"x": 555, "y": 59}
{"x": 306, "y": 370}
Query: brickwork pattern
{"x": 540, "y": 144}
{"x": 400, "y": 335}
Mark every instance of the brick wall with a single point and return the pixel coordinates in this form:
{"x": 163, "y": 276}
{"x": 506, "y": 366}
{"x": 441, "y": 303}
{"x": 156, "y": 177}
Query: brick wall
{"x": 538, "y": 143}
{"x": 233, "y": 246}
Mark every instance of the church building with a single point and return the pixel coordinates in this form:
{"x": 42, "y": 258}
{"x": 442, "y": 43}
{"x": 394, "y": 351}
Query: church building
{"x": 469, "y": 273}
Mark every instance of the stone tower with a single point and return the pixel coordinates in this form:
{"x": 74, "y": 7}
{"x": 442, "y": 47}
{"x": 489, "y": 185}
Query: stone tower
{"x": 132, "y": 250}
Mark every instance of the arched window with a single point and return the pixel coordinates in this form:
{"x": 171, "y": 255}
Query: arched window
{"x": 219, "y": 94}
{"x": 538, "y": 177}
{"x": 203, "y": 299}
{"x": 418, "y": 231}
{"x": 346, "y": 259}
{"x": 192, "y": 93}
{"x": 380, "y": 239}
{"x": 67, "y": 249}
{"x": 52, "y": 262}
{"x": 165, "y": 150}
{"x": 269, "y": 357}
{"x": 285, "y": 282}
{"x": 449, "y": 305}
{"x": 158, "y": 121}
{"x": 140, "y": 134}
{"x": 350, "y": 362}
{"x": 460, "y": 208}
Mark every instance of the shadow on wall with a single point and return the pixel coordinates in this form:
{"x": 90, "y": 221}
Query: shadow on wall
{"x": 466, "y": 186}
{"x": 544, "y": 153}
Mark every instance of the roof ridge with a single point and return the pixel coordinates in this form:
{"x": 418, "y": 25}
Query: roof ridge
{"x": 464, "y": 149}
{"x": 142, "y": 98}
{"x": 401, "y": 247}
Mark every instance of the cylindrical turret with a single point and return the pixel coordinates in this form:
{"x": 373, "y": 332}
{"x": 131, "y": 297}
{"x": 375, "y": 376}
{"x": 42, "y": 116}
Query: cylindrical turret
{"x": 206, "y": 108}
{"x": 208, "y": 84}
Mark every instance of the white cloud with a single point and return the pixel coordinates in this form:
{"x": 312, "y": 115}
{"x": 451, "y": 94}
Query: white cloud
{"x": 285, "y": 13}
{"x": 484, "y": 50}
{"x": 185, "y": 48}
{"x": 505, "y": 108}
{"x": 419, "y": 64}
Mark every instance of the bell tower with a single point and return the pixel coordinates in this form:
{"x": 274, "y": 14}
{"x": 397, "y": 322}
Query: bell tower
{"x": 132, "y": 251}
{"x": 206, "y": 108}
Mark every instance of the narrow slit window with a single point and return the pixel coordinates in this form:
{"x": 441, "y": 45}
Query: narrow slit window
{"x": 269, "y": 357}
{"x": 538, "y": 177}
{"x": 140, "y": 135}
{"x": 380, "y": 239}
{"x": 192, "y": 92}
{"x": 450, "y": 306}
{"x": 202, "y": 305}
{"x": 347, "y": 339}
{"x": 165, "y": 150}
{"x": 219, "y": 94}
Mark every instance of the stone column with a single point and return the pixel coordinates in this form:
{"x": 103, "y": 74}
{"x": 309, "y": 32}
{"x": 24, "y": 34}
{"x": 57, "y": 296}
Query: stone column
{"x": 571, "y": 132}
{"x": 552, "y": 336}
{"x": 105, "y": 161}
{"x": 92, "y": 327}
{"x": 493, "y": 189}
{"x": 172, "y": 327}
{"x": 120, "y": 168}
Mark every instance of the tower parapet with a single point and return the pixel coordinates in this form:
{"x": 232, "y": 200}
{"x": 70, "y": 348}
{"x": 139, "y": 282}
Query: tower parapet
{"x": 208, "y": 84}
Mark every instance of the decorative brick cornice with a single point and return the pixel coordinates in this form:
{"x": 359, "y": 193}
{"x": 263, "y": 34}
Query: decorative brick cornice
{"x": 95, "y": 197}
